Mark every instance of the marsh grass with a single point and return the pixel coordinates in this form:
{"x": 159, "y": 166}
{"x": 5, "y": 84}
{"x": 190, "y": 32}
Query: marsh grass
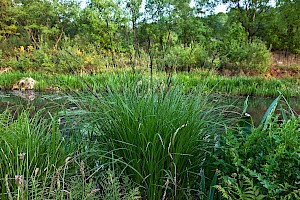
{"x": 158, "y": 135}
{"x": 209, "y": 81}
{"x": 240, "y": 85}
{"x": 40, "y": 161}
{"x": 30, "y": 147}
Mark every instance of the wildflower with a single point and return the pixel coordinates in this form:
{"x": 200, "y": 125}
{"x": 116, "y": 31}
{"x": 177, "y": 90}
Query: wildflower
{"x": 88, "y": 60}
{"x": 21, "y": 49}
{"x": 30, "y": 48}
{"x": 78, "y": 52}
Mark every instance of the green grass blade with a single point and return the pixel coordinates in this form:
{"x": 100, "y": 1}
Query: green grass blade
{"x": 212, "y": 188}
{"x": 270, "y": 111}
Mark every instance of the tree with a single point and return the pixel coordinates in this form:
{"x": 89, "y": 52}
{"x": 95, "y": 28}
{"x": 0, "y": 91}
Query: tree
{"x": 159, "y": 12}
{"x": 250, "y": 13}
{"x": 103, "y": 20}
{"x": 43, "y": 21}
{"x": 7, "y": 22}
{"x": 133, "y": 12}
{"x": 289, "y": 24}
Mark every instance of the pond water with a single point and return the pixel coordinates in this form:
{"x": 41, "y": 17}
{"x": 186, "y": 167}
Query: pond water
{"x": 257, "y": 106}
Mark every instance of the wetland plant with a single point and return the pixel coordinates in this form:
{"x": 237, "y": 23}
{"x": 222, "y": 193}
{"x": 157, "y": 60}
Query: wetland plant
{"x": 157, "y": 134}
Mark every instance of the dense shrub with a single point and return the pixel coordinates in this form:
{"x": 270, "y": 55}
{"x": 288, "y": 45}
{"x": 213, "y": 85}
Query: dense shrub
{"x": 185, "y": 58}
{"x": 250, "y": 57}
{"x": 238, "y": 54}
{"x": 158, "y": 135}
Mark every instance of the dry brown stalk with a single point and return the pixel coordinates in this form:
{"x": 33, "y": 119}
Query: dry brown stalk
{"x": 82, "y": 168}
{"x": 166, "y": 186}
{"x": 7, "y": 188}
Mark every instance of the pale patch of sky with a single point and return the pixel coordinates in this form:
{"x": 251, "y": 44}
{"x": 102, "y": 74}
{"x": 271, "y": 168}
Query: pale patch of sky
{"x": 221, "y": 8}
{"x": 83, "y": 3}
{"x": 218, "y": 8}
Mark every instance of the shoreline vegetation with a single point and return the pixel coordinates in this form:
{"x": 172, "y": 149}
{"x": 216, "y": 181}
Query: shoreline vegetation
{"x": 143, "y": 140}
{"x": 210, "y": 82}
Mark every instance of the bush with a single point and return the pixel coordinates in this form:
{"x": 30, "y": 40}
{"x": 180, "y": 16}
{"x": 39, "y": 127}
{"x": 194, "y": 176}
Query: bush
{"x": 186, "y": 58}
{"x": 43, "y": 59}
{"x": 238, "y": 54}
{"x": 250, "y": 57}
{"x": 157, "y": 135}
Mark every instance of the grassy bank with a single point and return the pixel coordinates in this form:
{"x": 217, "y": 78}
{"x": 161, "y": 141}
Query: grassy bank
{"x": 210, "y": 82}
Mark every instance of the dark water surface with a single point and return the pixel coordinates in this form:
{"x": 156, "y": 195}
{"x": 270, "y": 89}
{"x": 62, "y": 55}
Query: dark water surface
{"x": 56, "y": 101}
{"x": 30, "y": 99}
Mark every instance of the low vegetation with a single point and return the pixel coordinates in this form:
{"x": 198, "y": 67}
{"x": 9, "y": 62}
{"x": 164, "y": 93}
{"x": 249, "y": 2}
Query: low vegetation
{"x": 149, "y": 139}
{"x": 41, "y": 159}
{"x": 207, "y": 80}
{"x": 262, "y": 162}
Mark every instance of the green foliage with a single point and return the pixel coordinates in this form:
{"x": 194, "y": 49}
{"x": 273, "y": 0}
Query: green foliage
{"x": 31, "y": 149}
{"x": 157, "y": 135}
{"x": 251, "y": 57}
{"x": 40, "y": 161}
{"x": 241, "y": 55}
{"x": 239, "y": 188}
{"x": 268, "y": 156}
{"x": 114, "y": 189}
{"x": 7, "y": 21}
{"x": 117, "y": 33}
{"x": 184, "y": 58}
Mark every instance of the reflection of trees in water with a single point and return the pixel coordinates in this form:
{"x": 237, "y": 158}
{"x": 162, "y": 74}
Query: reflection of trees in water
{"x": 28, "y": 95}
{"x": 20, "y": 100}
{"x": 16, "y": 100}
{"x": 257, "y": 106}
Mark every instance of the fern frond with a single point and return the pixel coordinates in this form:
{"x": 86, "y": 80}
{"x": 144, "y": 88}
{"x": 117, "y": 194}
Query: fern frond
{"x": 225, "y": 194}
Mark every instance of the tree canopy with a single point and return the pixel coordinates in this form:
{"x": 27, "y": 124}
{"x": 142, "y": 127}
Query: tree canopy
{"x": 162, "y": 26}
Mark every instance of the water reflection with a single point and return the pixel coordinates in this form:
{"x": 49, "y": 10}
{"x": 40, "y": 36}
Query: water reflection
{"x": 257, "y": 106}
{"x": 55, "y": 101}
{"x": 26, "y": 95}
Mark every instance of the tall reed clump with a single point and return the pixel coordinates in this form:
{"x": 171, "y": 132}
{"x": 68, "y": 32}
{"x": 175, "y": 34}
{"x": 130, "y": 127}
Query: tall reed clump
{"x": 39, "y": 160}
{"x": 158, "y": 135}
{"x": 34, "y": 156}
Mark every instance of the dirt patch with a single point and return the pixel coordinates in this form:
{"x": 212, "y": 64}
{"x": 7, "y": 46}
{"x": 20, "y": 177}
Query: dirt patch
{"x": 283, "y": 73}
{"x": 5, "y": 69}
